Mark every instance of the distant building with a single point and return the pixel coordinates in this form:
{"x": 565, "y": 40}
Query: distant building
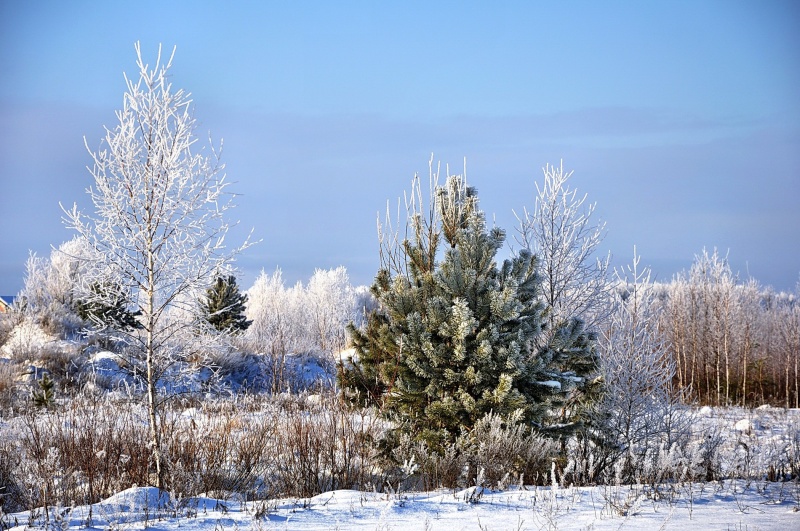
{"x": 6, "y": 303}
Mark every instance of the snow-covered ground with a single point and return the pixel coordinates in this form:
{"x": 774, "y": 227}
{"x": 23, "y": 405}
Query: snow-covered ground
{"x": 734, "y": 505}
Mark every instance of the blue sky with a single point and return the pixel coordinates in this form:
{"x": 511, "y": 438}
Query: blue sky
{"x": 680, "y": 119}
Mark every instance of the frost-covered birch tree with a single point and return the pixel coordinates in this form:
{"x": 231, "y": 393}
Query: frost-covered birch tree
{"x": 331, "y": 303}
{"x": 639, "y": 411}
{"x": 564, "y": 237}
{"x": 158, "y": 223}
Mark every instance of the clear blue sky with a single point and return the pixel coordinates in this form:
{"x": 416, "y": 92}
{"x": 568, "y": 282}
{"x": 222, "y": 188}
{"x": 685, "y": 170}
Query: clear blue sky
{"x": 681, "y": 119}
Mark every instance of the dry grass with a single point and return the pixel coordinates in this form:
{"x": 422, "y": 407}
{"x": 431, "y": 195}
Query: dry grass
{"x": 265, "y": 447}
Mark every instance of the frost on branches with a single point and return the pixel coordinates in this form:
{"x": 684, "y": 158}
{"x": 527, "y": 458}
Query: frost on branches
{"x": 640, "y": 413}
{"x": 158, "y": 226}
{"x": 561, "y": 233}
{"x": 456, "y": 336}
{"x": 52, "y": 290}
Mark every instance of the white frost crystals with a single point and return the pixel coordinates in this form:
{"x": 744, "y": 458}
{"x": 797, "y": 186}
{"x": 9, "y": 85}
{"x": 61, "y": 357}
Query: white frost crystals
{"x": 563, "y": 236}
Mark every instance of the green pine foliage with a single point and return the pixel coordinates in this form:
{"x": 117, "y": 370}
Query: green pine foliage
{"x": 107, "y": 307}
{"x": 458, "y": 338}
{"x": 224, "y": 306}
{"x": 45, "y": 396}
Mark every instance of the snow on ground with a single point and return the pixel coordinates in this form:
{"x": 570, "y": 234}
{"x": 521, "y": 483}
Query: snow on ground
{"x": 731, "y": 505}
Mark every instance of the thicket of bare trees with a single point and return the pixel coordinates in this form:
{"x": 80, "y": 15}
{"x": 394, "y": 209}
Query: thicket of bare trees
{"x": 733, "y": 342}
{"x": 299, "y": 318}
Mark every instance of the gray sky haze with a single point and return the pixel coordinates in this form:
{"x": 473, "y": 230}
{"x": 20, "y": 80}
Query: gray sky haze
{"x": 680, "y": 119}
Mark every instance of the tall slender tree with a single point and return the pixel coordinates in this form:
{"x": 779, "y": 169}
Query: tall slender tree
{"x": 158, "y": 228}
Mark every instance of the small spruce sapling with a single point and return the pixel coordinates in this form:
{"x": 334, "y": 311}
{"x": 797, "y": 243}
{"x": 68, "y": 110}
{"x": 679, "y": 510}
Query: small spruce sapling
{"x": 45, "y": 396}
{"x": 224, "y": 306}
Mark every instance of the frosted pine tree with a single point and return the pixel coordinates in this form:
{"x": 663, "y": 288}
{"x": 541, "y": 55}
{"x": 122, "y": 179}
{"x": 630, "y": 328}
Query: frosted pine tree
{"x": 456, "y": 337}
{"x": 224, "y": 305}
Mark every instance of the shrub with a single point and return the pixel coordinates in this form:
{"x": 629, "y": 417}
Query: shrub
{"x": 8, "y": 387}
{"x": 323, "y": 446}
{"x": 499, "y": 451}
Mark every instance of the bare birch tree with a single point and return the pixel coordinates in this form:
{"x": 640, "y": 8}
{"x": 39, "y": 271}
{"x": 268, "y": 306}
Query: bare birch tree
{"x": 640, "y": 410}
{"x": 158, "y": 222}
{"x": 564, "y": 237}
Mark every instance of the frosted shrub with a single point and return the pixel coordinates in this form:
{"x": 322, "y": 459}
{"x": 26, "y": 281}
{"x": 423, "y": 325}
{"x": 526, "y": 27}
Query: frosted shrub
{"x": 505, "y": 451}
{"x": 706, "y": 455}
{"x": 766, "y": 451}
{"x": 25, "y": 340}
{"x": 496, "y": 451}
{"x": 101, "y": 444}
{"x": 447, "y": 467}
{"x": 322, "y": 445}
{"x": 12, "y": 494}
{"x": 52, "y": 287}
{"x": 8, "y": 387}
{"x": 8, "y": 321}
{"x": 585, "y": 459}
{"x": 217, "y": 450}
{"x": 793, "y": 449}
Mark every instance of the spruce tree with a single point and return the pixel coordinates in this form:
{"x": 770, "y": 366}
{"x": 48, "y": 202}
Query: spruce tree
{"x": 45, "y": 396}
{"x": 456, "y": 337}
{"x": 223, "y": 306}
{"x": 107, "y": 307}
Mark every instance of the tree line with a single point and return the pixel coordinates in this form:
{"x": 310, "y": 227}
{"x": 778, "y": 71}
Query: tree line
{"x": 732, "y": 341}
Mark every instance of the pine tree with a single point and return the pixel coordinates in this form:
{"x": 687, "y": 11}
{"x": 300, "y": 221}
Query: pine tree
{"x": 456, "y": 340}
{"x": 45, "y": 396}
{"x": 224, "y": 306}
{"x": 107, "y": 307}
